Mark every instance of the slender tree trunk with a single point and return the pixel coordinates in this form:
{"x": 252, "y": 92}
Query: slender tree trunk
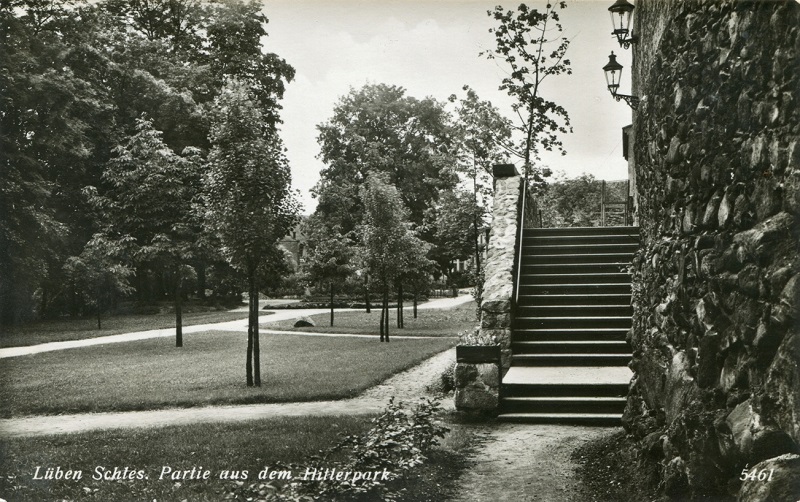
{"x": 249, "y": 363}
{"x": 400, "y": 320}
{"x": 99, "y": 310}
{"x": 178, "y": 310}
{"x": 386, "y": 309}
{"x": 415, "y": 302}
{"x": 383, "y": 313}
{"x": 331, "y": 303}
{"x": 366, "y": 293}
{"x": 256, "y": 344}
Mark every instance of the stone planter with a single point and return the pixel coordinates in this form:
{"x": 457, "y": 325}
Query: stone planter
{"x": 477, "y": 353}
{"x": 477, "y": 378}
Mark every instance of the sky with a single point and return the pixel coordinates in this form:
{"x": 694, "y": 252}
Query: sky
{"x": 431, "y": 47}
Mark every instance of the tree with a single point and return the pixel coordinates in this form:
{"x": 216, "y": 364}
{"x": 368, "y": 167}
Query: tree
{"x": 530, "y": 44}
{"x": 413, "y": 268}
{"x": 329, "y": 255}
{"x": 378, "y": 129}
{"x": 248, "y": 200}
{"x": 75, "y": 78}
{"x": 386, "y": 238}
{"x": 46, "y": 114}
{"x": 148, "y": 202}
{"x": 97, "y": 275}
{"x": 484, "y": 139}
{"x": 450, "y": 226}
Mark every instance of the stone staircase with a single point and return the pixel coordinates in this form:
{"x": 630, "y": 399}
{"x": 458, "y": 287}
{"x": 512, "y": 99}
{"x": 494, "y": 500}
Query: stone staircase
{"x": 569, "y": 362}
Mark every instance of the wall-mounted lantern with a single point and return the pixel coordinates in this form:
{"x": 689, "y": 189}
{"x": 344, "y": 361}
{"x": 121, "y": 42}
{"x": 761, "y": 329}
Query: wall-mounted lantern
{"x": 613, "y": 71}
{"x": 621, "y": 13}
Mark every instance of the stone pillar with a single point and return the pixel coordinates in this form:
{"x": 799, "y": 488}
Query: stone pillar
{"x": 498, "y": 286}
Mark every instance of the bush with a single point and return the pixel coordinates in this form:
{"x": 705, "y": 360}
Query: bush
{"x": 395, "y": 444}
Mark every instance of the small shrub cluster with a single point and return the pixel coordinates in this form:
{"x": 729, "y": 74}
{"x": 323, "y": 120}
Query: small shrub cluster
{"x": 476, "y": 337}
{"x": 397, "y": 443}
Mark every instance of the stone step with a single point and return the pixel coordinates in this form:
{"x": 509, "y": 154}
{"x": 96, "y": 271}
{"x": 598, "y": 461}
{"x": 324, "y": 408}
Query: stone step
{"x": 570, "y": 346}
{"x": 574, "y": 268}
{"x": 576, "y": 278}
{"x": 573, "y": 310}
{"x": 594, "y": 248}
{"x": 607, "y": 419}
{"x": 619, "y": 390}
{"x": 581, "y": 231}
{"x": 569, "y": 334}
{"x": 571, "y": 240}
{"x": 563, "y": 404}
{"x": 572, "y": 322}
{"x": 585, "y": 299}
{"x": 620, "y": 288}
{"x": 533, "y": 259}
{"x": 567, "y": 359}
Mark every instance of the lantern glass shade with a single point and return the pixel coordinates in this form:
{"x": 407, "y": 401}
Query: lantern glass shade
{"x": 621, "y": 17}
{"x": 613, "y": 71}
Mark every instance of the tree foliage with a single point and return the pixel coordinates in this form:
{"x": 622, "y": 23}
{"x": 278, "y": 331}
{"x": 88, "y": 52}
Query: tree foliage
{"x": 149, "y": 204}
{"x": 576, "y": 202}
{"x": 248, "y": 199}
{"x": 450, "y": 227}
{"x": 330, "y": 255}
{"x": 391, "y": 249}
{"x": 529, "y": 43}
{"x": 378, "y": 129}
{"x": 76, "y": 78}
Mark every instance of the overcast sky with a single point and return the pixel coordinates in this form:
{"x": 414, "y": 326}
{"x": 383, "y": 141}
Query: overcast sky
{"x": 430, "y": 47}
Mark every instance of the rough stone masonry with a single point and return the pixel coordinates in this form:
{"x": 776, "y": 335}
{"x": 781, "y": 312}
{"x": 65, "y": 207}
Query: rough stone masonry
{"x": 716, "y": 336}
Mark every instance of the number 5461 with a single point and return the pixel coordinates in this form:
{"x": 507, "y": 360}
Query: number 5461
{"x": 762, "y": 475}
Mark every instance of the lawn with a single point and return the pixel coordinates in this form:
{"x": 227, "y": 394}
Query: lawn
{"x": 79, "y": 329}
{"x": 247, "y": 446}
{"x": 432, "y": 322}
{"x": 209, "y": 369}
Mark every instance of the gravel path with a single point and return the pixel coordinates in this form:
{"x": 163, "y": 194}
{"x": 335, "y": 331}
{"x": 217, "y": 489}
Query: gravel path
{"x": 239, "y": 325}
{"x": 407, "y": 386}
{"x": 526, "y": 462}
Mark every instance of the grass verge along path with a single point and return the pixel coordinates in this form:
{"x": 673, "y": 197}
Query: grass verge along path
{"x": 431, "y": 322}
{"x": 153, "y": 374}
{"x": 81, "y": 329}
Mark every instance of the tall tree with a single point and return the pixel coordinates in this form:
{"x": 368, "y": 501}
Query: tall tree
{"x": 378, "y": 129}
{"x": 392, "y": 251}
{"x": 484, "y": 139}
{"x": 248, "y": 199}
{"x": 529, "y": 42}
{"x": 149, "y": 203}
{"x": 46, "y": 112}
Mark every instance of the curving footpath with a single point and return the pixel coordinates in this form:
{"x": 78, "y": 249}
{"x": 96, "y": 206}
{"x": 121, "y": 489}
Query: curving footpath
{"x": 238, "y": 325}
{"x": 407, "y": 386}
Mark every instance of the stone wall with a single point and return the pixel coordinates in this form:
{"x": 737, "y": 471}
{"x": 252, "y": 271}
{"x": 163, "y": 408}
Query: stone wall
{"x": 500, "y": 266}
{"x": 716, "y": 334}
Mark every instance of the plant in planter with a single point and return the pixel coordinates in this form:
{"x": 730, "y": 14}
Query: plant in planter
{"x": 475, "y": 346}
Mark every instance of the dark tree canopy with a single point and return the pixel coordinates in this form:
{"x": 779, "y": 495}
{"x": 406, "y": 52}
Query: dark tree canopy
{"x": 75, "y": 79}
{"x": 378, "y": 129}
